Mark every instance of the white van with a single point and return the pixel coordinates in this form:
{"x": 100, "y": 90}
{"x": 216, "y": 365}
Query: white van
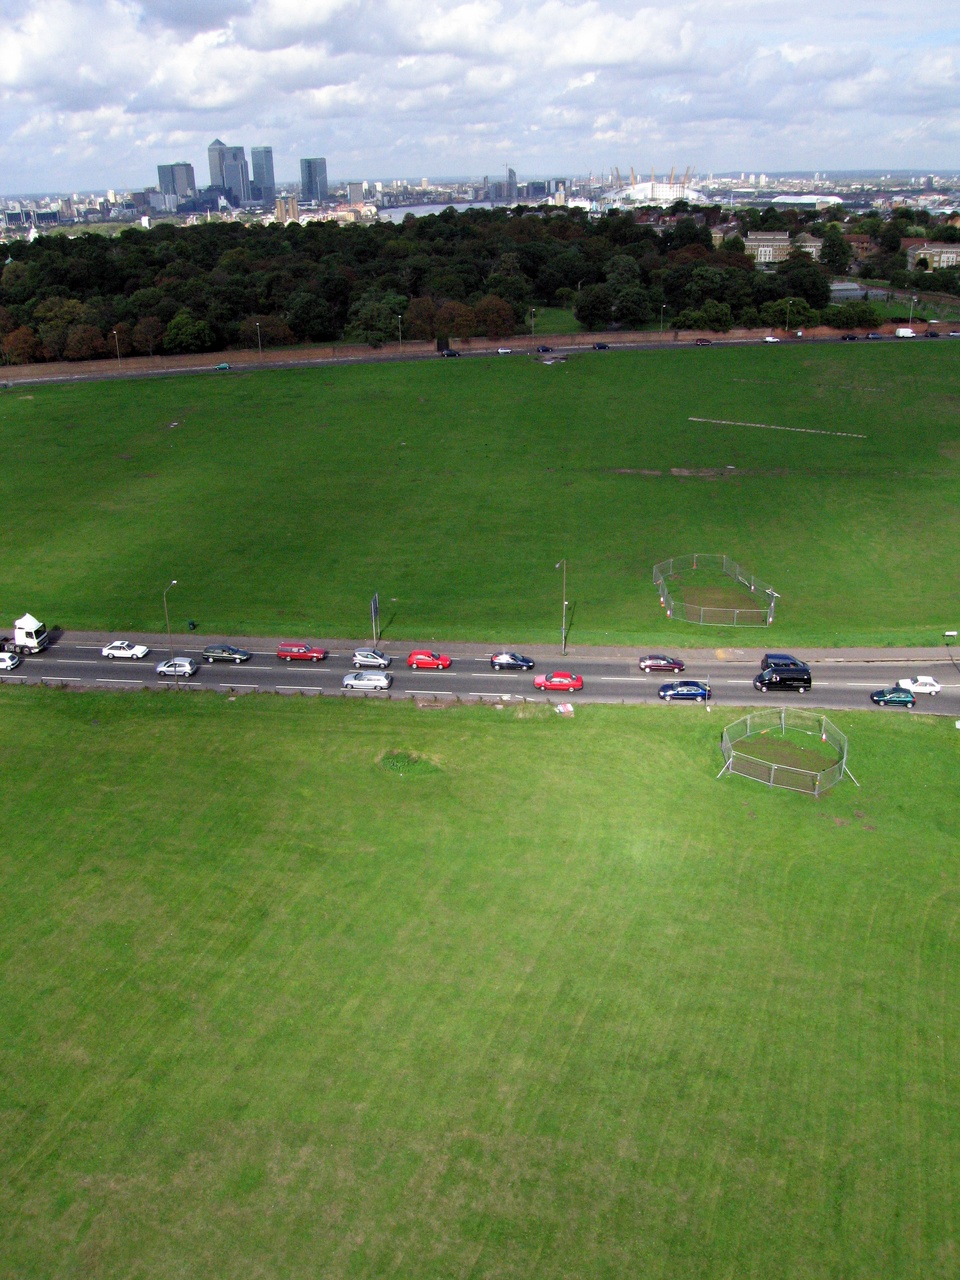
{"x": 905, "y": 333}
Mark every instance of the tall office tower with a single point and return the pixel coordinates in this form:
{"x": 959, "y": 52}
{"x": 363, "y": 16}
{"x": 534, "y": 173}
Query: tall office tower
{"x": 288, "y": 209}
{"x": 510, "y": 187}
{"x": 355, "y": 192}
{"x": 228, "y": 170}
{"x": 177, "y": 180}
{"x": 313, "y": 179}
{"x": 263, "y": 178}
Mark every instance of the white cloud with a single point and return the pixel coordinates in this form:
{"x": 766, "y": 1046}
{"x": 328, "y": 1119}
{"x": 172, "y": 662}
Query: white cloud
{"x": 97, "y": 92}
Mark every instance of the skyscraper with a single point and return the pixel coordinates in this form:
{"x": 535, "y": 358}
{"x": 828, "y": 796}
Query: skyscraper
{"x": 228, "y": 170}
{"x": 263, "y": 178}
{"x": 177, "y": 179}
{"x": 313, "y": 179}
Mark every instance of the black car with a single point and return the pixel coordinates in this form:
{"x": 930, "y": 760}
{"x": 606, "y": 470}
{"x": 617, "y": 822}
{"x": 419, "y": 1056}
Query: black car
{"x": 874, "y": 337}
{"x": 849, "y": 337}
{"x": 542, "y": 350}
{"x": 450, "y": 354}
{"x": 225, "y": 653}
{"x": 704, "y": 342}
{"x": 931, "y": 333}
{"x": 601, "y": 346}
{"x": 508, "y": 661}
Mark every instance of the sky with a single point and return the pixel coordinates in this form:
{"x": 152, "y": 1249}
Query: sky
{"x": 96, "y": 93}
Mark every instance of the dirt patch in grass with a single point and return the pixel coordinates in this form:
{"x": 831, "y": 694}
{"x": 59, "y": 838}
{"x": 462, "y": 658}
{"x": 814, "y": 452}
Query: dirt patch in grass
{"x": 951, "y": 449}
{"x": 407, "y": 764}
{"x": 711, "y": 589}
{"x": 796, "y": 750}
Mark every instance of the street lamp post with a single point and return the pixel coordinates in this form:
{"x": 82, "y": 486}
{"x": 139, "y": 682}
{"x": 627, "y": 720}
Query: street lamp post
{"x": 166, "y": 614}
{"x": 117, "y": 341}
{"x": 912, "y": 302}
{"x": 563, "y": 622}
{"x": 789, "y": 300}
{"x": 400, "y": 330}
{"x": 662, "y": 309}
{"x": 533, "y": 324}
{"x": 259, "y": 343}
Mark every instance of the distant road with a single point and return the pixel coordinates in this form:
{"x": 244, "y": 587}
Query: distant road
{"x": 842, "y": 679}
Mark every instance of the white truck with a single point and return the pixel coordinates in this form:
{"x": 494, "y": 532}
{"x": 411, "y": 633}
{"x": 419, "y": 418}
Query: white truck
{"x": 29, "y": 636}
{"x": 905, "y": 333}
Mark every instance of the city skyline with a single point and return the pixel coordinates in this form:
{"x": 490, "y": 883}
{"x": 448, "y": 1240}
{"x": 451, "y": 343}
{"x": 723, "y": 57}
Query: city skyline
{"x": 100, "y": 92}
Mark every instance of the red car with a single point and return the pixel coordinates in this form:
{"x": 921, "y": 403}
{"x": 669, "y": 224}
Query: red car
{"x": 564, "y": 681}
{"x": 431, "y": 661}
{"x": 660, "y": 662}
{"x": 294, "y": 651}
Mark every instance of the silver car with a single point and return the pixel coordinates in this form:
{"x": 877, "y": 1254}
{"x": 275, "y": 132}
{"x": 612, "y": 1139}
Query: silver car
{"x": 371, "y": 658}
{"x": 8, "y": 661}
{"x": 177, "y": 667}
{"x": 367, "y": 680}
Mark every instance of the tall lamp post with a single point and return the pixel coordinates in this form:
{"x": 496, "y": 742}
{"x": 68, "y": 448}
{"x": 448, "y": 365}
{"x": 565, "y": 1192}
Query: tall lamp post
{"x": 789, "y": 300}
{"x": 400, "y": 331}
{"x": 259, "y": 343}
{"x": 533, "y": 324}
{"x": 166, "y": 614}
{"x": 117, "y": 341}
{"x": 563, "y": 623}
{"x": 912, "y": 303}
{"x": 662, "y": 309}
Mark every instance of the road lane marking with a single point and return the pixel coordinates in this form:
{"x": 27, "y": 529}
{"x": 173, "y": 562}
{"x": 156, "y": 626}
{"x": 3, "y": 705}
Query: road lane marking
{"x": 72, "y": 679}
{"x": 107, "y": 680}
{"x": 310, "y": 688}
{"x": 440, "y": 693}
{"x": 78, "y": 662}
{"x": 626, "y": 679}
{"x": 234, "y": 685}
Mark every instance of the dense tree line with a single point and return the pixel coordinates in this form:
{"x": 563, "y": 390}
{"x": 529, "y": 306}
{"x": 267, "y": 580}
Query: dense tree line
{"x": 454, "y": 274}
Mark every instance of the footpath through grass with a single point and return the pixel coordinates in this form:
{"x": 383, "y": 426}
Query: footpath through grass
{"x": 281, "y": 501}
{"x": 559, "y": 1004}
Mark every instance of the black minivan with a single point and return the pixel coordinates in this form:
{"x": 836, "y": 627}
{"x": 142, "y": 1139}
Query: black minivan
{"x": 783, "y": 671}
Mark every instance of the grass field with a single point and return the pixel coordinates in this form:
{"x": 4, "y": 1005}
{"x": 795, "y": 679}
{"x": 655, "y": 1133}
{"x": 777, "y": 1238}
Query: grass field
{"x": 793, "y": 748}
{"x": 557, "y": 1003}
{"x": 281, "y": 501}
{"x": 555, "y": 321}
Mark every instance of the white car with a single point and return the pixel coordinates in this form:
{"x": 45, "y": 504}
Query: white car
{"x": 920, "y": 684}
{"x": 371, "y": 658}
{"x": 770, "y": 338}
{"x": 8, "y": 661}
{"x": 504, "y": 351}
{"x": 124, "y": 649}
{"x": 367, "y": 680}
{"x": 177, "y": 667}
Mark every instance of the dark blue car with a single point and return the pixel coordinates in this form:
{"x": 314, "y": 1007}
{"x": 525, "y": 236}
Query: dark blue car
{"x": 685, "y": 691}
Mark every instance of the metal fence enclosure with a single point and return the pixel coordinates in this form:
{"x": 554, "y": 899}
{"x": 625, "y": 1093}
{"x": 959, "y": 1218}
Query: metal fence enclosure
{"x": 735, "y": 745}
{"x": 757, "y": 615}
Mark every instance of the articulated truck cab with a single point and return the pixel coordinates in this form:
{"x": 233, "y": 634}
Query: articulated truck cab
{"x": 29, "y": 636}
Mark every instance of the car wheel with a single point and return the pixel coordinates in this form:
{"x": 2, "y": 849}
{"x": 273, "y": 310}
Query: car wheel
{"x": 699, "y": 699}
{"x": 801, "y": 690}
{"x": 314, "y": 658}
{"x": 210, "y": 660}
{"x": 413, "y": 666}
{"x": 933, "y": 693}
{"x": 111, "y": 655}
{"x": 286, "y": 659}
{"x": 496, "y": 666}
{"x": 238, "y": 661}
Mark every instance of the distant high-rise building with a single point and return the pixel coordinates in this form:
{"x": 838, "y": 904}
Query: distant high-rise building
{"x": 177, "y": 180}
{"x": 287, "y": 209}
{"x": 262, "y": 158}
{"x": 511, "y": 186}
{"x": 313, "y": 179}
{"x": 355, "y": 192}
{"x": 228, "y": 170}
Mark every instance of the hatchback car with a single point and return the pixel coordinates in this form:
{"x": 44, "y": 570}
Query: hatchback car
{"x": 177, "y": 667}
{"x": 504, "y": 351}
{"x": 601, "y": 346}
{"x": 920, "y": 684}
{"x": 427, "y": 659}
{"x": 367, "y": 680}
{"x": 848, "y": 337}
{"x": 225, "y": 653}
{"x": 511, "y": 662}
{"x": 296, "y": 651}
{"x": 771, "y": 339}
{"x": 660, "y": 662}
{"x": 371, "y": 658}
{"x": 684, "y": 691}
{"x": 544, "y": 350}
{"x": 8, "y": 661}
{"x": 874, "y": 337}
{"x": 893, "y": 697}
{"x": 450, "y": 354}
{"x": 931, "y": 333}
{"x": 124, "y": 649}
{"x": 704, "y": 342}
{"x": 563, "y": 681}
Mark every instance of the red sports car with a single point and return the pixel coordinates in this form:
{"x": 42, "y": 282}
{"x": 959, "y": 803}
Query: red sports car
{"x": 294, "y": 651}
{"x": 563, "y": 681}
{"x": 428, "y": 660}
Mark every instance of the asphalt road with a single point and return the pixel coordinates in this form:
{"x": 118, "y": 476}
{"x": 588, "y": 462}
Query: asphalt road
{"x": 842, "y": 679}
